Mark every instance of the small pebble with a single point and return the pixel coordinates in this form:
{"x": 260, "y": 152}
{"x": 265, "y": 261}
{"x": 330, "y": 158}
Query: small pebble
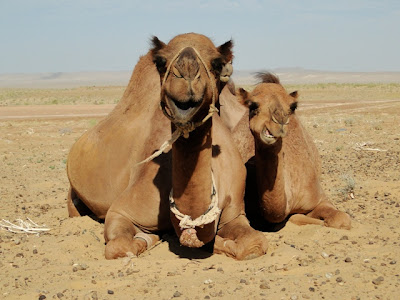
{"x": 41, "y": 297}
{"x": 339, "y": 279}
{"x": 110, "y": 292}
{"x": 78, "y": 267}
{"x": 348, "y": 259}
{"x": 311, "y": 289}
{"x": 264, "y": 286}
{"x": 378, "y": 280}
{"x": 35, "y": 251}
{"x": 393, "y": 262}
{"x": 130, "y": 271}
{"x": 177, "y": 294}
{"x": 328, "y": 275}
{"x": 304, "y": 263}
{"x": 60, "y": 295}
{"x": 324, "y": 255}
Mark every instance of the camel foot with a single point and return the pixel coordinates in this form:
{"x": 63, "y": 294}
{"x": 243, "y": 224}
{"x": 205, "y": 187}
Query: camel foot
{"x": 240, "y": 241}
{"x": 331, "y": 216}
{"x": 339, "y": 220}
{"x": 336, "y": 219}
{"x": 124, "y": 246}
{"x": 300, "y": 219}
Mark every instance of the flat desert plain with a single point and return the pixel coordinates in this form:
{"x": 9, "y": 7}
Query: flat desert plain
{"x": 356, "y": 129}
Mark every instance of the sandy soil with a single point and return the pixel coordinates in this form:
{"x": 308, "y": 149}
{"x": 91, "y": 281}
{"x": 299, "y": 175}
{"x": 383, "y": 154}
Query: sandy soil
{"x": 359, "y": 145}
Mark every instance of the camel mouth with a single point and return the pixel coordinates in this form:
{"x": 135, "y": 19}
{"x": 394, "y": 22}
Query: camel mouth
{"x": 267, "y": 137}
{"x": 183, "y": 111}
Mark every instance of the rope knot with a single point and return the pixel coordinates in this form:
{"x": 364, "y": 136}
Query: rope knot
{"x": 210, "y": 215}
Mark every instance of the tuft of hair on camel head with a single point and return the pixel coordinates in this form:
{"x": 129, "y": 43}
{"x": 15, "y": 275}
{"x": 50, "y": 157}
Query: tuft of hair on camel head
{"x": 267, "y": 77}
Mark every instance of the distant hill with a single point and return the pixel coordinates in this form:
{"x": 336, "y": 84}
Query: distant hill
{"x": 303, "y": 76}
{"x": 64, "y": 79}
{"x": 121, "y": 78}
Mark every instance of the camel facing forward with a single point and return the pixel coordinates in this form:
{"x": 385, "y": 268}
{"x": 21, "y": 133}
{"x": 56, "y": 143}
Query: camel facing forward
{"x": 196, "y": 188}
{"x": 287, "y": 164}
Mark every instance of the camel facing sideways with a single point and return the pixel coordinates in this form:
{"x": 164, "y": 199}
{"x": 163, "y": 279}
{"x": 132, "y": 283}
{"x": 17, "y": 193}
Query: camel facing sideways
{"x": 287, "y": 163}
{"x": 196, "y": 188}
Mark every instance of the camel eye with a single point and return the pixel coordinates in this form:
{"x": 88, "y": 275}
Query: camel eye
{"x": 176, "y": 73}
{"x": 274, "y": 119}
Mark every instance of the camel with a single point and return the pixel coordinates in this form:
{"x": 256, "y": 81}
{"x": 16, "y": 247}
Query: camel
{"x": 287, "y": 164}
{"x": 117, "y": 171}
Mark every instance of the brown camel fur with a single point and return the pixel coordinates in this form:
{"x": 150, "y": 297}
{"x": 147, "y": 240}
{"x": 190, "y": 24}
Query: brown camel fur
{"x": 134, "y": 198}
{"x": 287, "y": 163}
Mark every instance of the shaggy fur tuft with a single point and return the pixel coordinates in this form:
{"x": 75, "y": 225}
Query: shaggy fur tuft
{"x": 267, "y": 77}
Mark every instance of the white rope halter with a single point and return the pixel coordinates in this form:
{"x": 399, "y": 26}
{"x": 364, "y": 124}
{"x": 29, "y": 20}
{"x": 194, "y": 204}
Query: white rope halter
{"x": 182, "y": 129}
{"x": 210, "y": 215}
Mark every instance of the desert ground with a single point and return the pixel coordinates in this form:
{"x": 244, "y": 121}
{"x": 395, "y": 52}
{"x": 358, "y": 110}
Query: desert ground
{"x": 356, "y": 129}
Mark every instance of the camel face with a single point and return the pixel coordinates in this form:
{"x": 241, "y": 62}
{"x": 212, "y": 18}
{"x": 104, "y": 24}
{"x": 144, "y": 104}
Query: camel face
{"x": 270, "y": 109}
{"x": 189, "y": 75}
{"x": 186, "y": 88}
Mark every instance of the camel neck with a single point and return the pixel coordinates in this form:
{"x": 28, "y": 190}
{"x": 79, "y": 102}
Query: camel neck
{"x": 270, "y": 177}
{"x": 191, "y": 171}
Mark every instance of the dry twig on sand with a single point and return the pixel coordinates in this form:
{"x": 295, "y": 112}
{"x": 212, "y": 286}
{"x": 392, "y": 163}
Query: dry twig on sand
{"x": 363, "y": 146}
{"x": 22, "y": 226}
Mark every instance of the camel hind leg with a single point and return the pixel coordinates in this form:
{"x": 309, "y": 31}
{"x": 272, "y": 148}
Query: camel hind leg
{"x": 326, "y": 214}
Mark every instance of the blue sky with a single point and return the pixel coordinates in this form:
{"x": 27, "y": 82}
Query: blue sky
{"x": 110, "y": 35}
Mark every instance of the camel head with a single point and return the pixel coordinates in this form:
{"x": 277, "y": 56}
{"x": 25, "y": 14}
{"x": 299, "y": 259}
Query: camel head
{"x": 270, "y": 109}
{"x": 191, "y": 69}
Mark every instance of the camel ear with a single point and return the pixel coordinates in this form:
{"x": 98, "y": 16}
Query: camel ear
{"x": 222, "y": 65}
{"x": 226, "y": 51}
{"x": 157, "y": 45}
{"x": 242, "y": 95}
{"x": 158, "y": 60}
{"x": 294, "y": 94}
{"x": 243, "y": 98}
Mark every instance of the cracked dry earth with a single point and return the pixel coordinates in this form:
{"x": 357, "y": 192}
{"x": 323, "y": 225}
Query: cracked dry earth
{"x": 359, "y": 145}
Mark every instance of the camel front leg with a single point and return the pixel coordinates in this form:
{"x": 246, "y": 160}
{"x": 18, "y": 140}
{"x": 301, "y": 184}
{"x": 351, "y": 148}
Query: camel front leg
{"x": 123, "y": 238}
{"x": 326, "y": 211}
{"x": 237, "y": 239}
